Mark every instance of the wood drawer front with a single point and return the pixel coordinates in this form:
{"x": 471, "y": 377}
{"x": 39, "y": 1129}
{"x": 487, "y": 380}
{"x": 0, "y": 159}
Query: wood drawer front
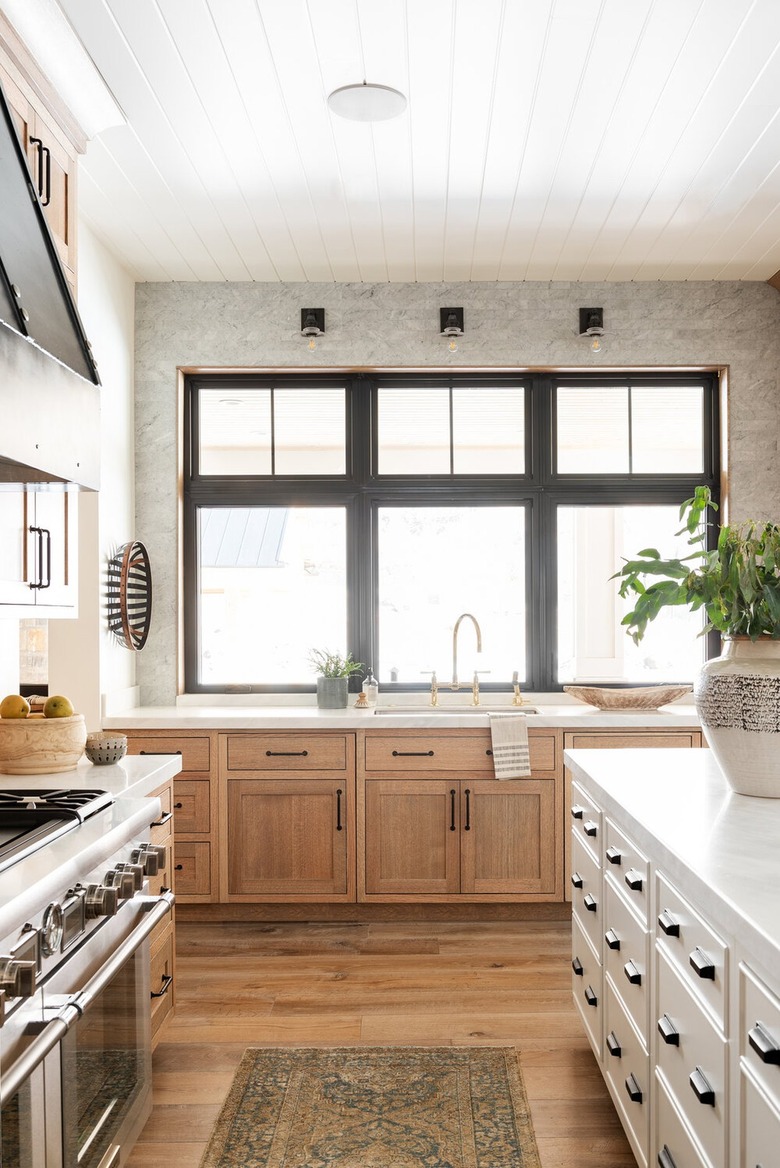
{"x": 699, "y": 1046}
{"x": 760, "y": 1135}
{"x": 621, "y": 740}
{"x": 428, "y": 752}
{"x": 287, "y": 752}
{"x": 586, "y": 821}
{"x": 629, "y": 962}
{"x": 628, "y": 867}
{"x": 627, "y": 1066}
{"x": 760, "y": 1013}
{"x": 672, "y": 1134}
{"x": 587, "y": 906}
{"x": 692, "y": 937}
{"x": 161, "y": 980}
{"x": 192, "y": 870}
{"x": 162, "y": 827}
{"x": 191, "y": 806}
{"x": 195, "y": 752}
{"x": 587, "y": 986}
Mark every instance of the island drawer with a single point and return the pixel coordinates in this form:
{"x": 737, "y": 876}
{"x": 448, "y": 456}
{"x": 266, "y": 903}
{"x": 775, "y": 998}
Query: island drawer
{"x": 287, "y": 752}
{"x": 191, "y": 806}
{"x": 627, "y": 1068}
{"x": 626, "y": 957}
{"x": 446, "y": 750}
{"x": 192, "y": 870}
{"x": 628, "y": 867}
{"x": 760, "y": 1033}
{"x": 586, "y": 897}
{"x": 195, "y": 752}
{"x": 587, "y": 985}
{"x": 695, "y": 949}
{"x": 586, "y": 821}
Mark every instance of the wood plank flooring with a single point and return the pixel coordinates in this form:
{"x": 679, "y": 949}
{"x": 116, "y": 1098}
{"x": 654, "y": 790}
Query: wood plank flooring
{"x": 412, "y": 982}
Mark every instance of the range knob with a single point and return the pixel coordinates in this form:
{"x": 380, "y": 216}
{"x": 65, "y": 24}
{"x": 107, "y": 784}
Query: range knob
{"x": 151, "y": 857}
{"x": 136, "y": 871}
{"x": 100, "y": 901}
{"x": 123, "y": 882}
{"x": 17, "y": 978}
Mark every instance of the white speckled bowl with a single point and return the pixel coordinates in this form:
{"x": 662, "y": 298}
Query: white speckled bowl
{"x": 105, "y": 749}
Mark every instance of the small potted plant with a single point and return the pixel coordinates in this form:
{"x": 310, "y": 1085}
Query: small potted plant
{"x": 737, "y": 584}
{"x": 334, "y": 672}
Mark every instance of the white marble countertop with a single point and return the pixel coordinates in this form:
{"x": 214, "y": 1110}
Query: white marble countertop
{"x": 719, "y": 847}
{"x": 395, "y": 714}
{"x": 45, "y": 874}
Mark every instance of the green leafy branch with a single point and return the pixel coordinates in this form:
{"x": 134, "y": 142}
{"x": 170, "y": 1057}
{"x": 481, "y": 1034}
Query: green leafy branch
{"x": 329, "y": 664}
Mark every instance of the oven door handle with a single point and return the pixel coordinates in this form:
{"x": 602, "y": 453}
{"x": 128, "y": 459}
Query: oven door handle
{"x": 155, "y": 908}
{"x": 13, "y": 1079}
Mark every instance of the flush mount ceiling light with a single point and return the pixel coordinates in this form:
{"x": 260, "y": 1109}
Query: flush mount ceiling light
{"x": 367, "y": 102}
{"x": 592, "y": 326}
{"x": 451, "y": 325}
{"x": 312, "y": 324}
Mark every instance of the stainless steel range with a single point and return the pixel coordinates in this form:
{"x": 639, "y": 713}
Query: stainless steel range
{"x": 75, "y": 1050}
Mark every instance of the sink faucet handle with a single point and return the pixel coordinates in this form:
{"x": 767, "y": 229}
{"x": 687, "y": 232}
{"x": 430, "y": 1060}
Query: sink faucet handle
{"x": 475, "y": 686}
{"x": 434, "y": 685}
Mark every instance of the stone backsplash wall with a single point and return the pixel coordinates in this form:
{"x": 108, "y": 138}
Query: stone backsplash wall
{"x": 515, "y": 325}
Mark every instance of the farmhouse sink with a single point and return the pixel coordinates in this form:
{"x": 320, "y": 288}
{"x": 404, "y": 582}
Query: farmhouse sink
{"x": 459, "y": 711}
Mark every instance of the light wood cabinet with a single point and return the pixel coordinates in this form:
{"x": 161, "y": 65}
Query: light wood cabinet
{"x": 38, "y": 552}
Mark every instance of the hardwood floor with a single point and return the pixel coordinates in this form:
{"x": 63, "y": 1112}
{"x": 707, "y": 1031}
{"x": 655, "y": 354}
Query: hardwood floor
{"x": 411, "y": 982}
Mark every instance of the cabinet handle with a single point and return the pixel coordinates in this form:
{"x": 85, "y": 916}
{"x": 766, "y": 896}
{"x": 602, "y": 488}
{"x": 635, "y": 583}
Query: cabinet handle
{"x": 632, "y": 973}
{"x": 590, "y": 902}
{"x": 38, "y": 558}
{"x": 339, "y": 793}
{"x": 665, "y": 1158}
{"x": 614, "y": 856}
{"x": 704, "y": 965}
{"x": 668, "y": 1031}
{"x": 612, "y": 939}
{"x": 159, "y": 752}
{"x": 613, "y": 1045}
{"x": 286, "y": 753}
{"x": 47, "y": 534}
{"x": 764, "y": 1044}
{"x": 43, "y": 180}
{"x": 634, "y": 1090}
{"x": 576, "y": 879}
{"x": 489, "y": 752}
{"x": 589, "y": 827}
{"x": 165, "y": 818}
{"x": 634, "y": 880}
{"x": 578, "y": 967}
{"x": 452, "y": 809}
{"x": 178, "y": 868}
{"x": 412, "y": 754}
{"x": 467, "y": 824}
{"x": 577, "y": 812}
{"x": 590, "y": 996}
{"x": 178, "y": 806}
{"x": 165, "y": 985}
{"x": 701, "y": 1088}
{"x": 38, "y": 144}
{"x": 668, "y": 924}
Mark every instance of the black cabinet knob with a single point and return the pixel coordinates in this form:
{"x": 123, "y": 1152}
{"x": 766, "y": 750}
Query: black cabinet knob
{"x": 577, "y": 812}
{"x": 612, "y": 939}
{"x": 701, "y": 1087}
{"x": 591, "y": 997}
{"x": 576, "y": 879}
{"x": 614, "y": 856}
{"x": 634, "y": 1090}
{"x": 589, "y": 827}
{"x": 668, "y": 924}
{"x": 764, "y": 1044}
{"x": 634, "y": 880}
{"x": 702, "y": 964}
{"x": 590, "y": 902}
{"x": 668, "y": 1032}
{"x": 577, "y": 966}
{"x": 613, "y": 1045}
{"x": 632, "y": 973}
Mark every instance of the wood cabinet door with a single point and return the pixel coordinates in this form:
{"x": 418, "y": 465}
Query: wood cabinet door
{"x": 288, "y": 838}
{"x": 56, "y": 514}
{"x": 508, "y": 837}
{"x": 412, "y": 837}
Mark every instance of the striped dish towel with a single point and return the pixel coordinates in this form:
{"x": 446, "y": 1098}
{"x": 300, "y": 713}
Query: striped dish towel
{"x": 509, "y": 735}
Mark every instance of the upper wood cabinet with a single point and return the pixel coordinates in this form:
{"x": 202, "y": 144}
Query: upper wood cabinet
{"x": 38, "y": 552}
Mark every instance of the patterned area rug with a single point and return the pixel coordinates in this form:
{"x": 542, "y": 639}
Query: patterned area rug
{"x": 375, "y": 1107}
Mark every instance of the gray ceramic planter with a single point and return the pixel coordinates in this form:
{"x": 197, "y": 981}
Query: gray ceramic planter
{"x": 332, "y": 692}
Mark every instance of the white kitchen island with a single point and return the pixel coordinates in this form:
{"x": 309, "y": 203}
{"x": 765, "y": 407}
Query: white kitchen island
{"x": 676, "y": 953}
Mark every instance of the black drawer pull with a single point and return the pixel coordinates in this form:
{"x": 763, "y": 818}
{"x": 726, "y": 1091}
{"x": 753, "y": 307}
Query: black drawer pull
{"x": 590, "y": 902}
{"x": 165, "y": 818}
{"x": 665, "y": 1158}
{"x": 589, "y": 827}
{"x": 613, "y": 1045}
{"x": 634, "y": 880}
{"x": 632, "y": 973}
{"x": 178, "y": 867}
{"x": 452, "y": 809}
{"x": 412, "y": 754}
{"x": 701, "y": 1088}
{"x": 577, "y": 812}
{"x": 287, "y": 754}
{"x": 764, "y": 1044}
{"x": 612, "y": 939}
{"x": 634, "y": 1090}
{"x": 614, "y": 855}
{"x": 159, "y": 752}
{"x": 590, "y": 996}
{"x": 178, "y": 806}
{"x": 668, "y": 924}
{"x": 668, "y": 1031}
{"x": 577, "y": 967}
{"x": 467, "y": 793}
{"x": 576, "y": 879}
{"x": 339, "y": 824}
{"x": 489, "y": 752}
{"x": 165, "y": 985}
{"x": 704, "y": 965}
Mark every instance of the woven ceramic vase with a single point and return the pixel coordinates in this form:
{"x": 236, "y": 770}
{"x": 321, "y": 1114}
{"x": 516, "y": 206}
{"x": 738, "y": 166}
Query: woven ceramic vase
{"x": 737, "y": 697}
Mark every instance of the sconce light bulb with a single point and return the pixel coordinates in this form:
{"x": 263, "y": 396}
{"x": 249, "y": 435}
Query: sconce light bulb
{"x": 595, "y": 344}
{"x": 312, "y": 344}
{"x": 453, "y": 346}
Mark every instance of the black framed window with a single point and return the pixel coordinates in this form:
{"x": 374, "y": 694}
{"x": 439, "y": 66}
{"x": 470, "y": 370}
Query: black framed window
{"x": 366, "y": 512}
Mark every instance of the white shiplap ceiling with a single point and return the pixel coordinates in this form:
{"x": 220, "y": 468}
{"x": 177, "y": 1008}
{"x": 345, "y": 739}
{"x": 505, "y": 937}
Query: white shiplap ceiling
{"x": 543, "y": 139}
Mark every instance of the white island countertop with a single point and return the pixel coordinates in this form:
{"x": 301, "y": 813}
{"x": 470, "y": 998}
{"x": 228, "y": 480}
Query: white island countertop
{"x": 682, "y": 813}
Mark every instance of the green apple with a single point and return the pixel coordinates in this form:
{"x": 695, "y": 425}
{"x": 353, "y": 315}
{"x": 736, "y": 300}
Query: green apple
{"x": 57, "y": 707}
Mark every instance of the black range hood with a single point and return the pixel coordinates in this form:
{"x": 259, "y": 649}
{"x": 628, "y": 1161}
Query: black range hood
{"x": 49, "y": 396}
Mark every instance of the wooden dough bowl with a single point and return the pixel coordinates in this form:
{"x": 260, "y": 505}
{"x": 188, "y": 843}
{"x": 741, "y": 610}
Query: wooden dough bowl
{"x": 41, "y": 746}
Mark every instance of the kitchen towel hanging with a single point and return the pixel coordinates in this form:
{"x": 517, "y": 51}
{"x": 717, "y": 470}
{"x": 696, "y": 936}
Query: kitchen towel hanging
{"x": 509, "y": 738}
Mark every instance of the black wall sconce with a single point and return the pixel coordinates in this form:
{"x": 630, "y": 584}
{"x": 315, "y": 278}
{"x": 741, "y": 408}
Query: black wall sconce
{"x": 451, "y": 325}
{"x": 592, "y": 326}
{"x": 312, "y": 324}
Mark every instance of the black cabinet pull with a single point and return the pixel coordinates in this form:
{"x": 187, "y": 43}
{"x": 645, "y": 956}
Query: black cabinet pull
{"x": 613, "y": 1045}
{"x": 632, "y": 973}
{"x": 668, "y": 1031}
{"x": 634, "y": 1090}
{"x": 178, "y": 806}
{"x": 590, "y": 902}
{"x": 339, "y": 825}
{"x": 612, "y": 939}
{"x": 764, "y": 1044}
{"x": 38, "y": 144}
{"x": 489, "y": 752}
{"x": 165, "y": 818}
{"x": 286, "y": 754}
{"x": 45, "y": 532}
{"x": 589, "y": 827}
{"x": 614, "y": 855}
{"x": 412, "y": 754}
{"x": 159, "y": 752}
{"x": 46, "y": 198}
{"x": 668, "y": 924}
{"x": 577, "y": 812}
{"x": 452, "y": 809}
{"x": 576, "y": 879}
{"x": 467, "y": 824}
{"x": 38, "y": 583}
{"x": 590, "y": 996}
{"x": 665, "y": 1158}
{"x": 704, "y": 965}
{"x": 634, "y": 880}
{"x": 178, "y": 867}
{"x": 701, "y": 1088}
{"x": 165, "y": 985}
{"x": 578, "y": 967}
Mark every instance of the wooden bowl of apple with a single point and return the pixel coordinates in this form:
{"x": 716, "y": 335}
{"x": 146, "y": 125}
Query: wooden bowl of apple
{"x": 41, "y": 743}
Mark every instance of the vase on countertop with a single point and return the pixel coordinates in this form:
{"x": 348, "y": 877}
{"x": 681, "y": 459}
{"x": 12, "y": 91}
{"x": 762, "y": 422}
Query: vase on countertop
{"x": 737, "y": 697}
{"x": 332, "y": 692}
